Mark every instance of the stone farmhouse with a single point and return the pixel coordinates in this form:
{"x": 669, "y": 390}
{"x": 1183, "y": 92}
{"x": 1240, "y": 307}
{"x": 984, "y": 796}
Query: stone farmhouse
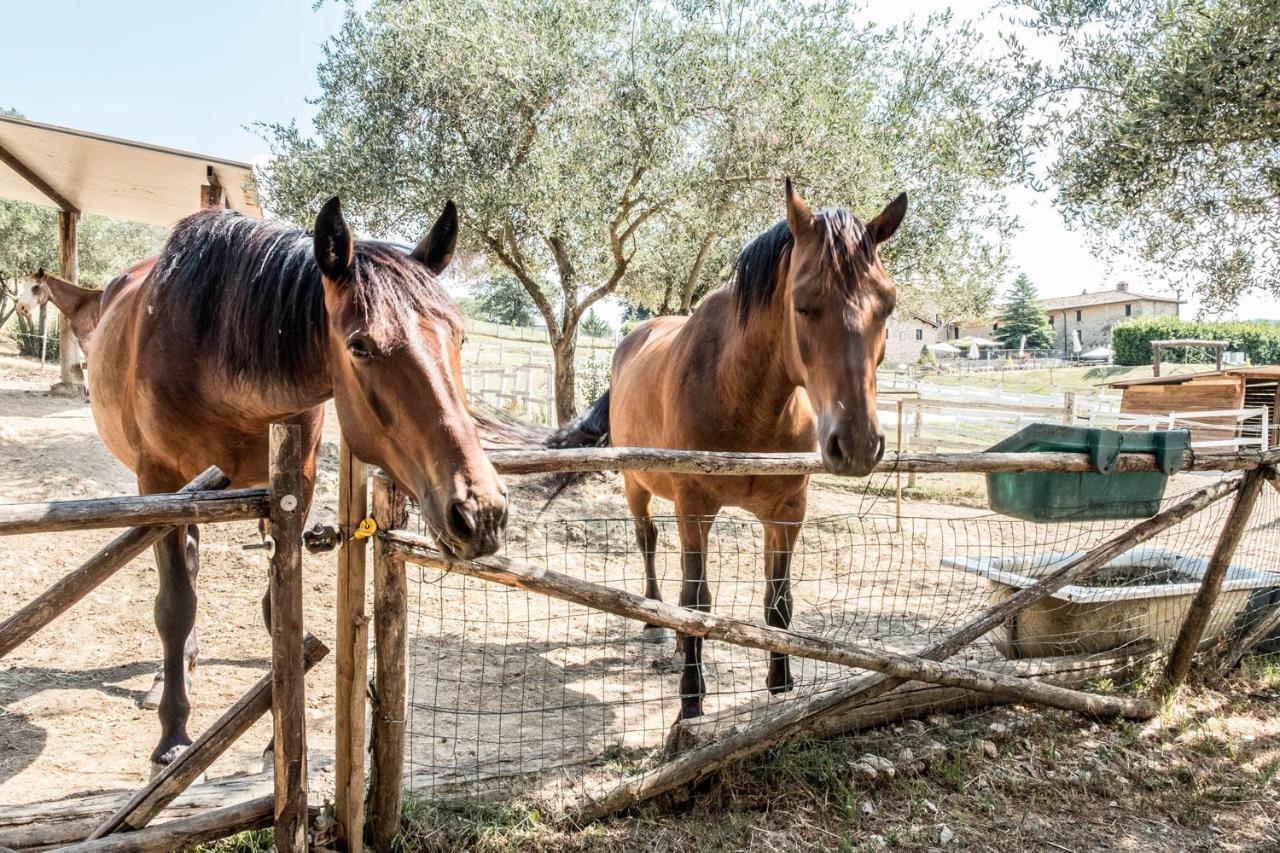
{"x": 906, "y": 335}
{"x": 1081, "y": 323}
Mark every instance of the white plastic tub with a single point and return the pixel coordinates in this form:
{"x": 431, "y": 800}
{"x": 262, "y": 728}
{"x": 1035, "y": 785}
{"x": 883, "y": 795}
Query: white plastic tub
{"x": 1147, "y": 601}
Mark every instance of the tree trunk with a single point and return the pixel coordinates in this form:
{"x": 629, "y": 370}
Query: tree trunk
{"x": 695, "y": 274}
{"x": 563, "y": 352}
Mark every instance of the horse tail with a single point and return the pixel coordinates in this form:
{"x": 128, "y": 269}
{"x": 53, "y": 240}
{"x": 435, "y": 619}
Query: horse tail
{"x": 591, "y": 429}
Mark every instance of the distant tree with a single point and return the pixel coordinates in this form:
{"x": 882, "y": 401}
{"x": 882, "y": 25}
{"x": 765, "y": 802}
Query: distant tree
{"x": 1022, "y": 315}
{"x": 502, "y": 299}
{"x": 29, "y": 240}
{"x": 593, "y": 325}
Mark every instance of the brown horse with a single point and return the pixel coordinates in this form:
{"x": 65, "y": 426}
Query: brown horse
{"x": 781, "y": 359}
{"x": 242, "y": 323}
{"x": 82, "y": 306}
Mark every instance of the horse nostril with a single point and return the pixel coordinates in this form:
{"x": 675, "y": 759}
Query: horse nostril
{"x": 880, "y": 447}
{"x": 835, "y": 453}
{"x": 461, "y": 520}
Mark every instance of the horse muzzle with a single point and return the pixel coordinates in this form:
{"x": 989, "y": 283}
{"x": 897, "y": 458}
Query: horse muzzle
{"x": 469, "y": 527}
{"x": 850, "y": 452}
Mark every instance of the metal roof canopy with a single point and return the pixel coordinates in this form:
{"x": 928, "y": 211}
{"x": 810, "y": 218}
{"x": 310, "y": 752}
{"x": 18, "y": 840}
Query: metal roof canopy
{"x": 78, "y": 171}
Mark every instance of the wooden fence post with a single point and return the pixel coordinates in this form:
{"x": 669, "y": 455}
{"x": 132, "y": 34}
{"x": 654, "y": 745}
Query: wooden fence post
{"x": 1193, "y": 624}
{"x": 352, "y": 654}
{"x": 390, "y": 609}
{"x": 288, "y": 687}
{"x": 897, "y": 489}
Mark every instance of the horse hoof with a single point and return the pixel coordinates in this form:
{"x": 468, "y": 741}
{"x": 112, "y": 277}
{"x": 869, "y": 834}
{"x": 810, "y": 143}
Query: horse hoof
{"x": 169, "y": 756}
{"x": 268, "y": 759}
{"x": 657, "y": 634}
{"x": 784, "y": 687}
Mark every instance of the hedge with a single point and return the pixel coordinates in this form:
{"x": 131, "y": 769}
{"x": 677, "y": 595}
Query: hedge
{"x": 1260, "y": 342}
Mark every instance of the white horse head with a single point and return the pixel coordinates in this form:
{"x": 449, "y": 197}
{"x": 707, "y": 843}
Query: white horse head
{"x": 32, "y": 293}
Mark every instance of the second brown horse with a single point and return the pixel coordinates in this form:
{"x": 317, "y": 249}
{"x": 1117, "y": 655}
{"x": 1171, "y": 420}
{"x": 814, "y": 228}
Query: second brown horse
{"x": 239, "y": 324}
{"x": 781, "y": 359}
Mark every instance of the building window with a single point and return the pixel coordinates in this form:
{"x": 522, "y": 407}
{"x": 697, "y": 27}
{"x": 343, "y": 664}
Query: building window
{"x": 1128, "y": 310}
{"x": 919, "y": 334}
{"x": 1077, "y": 316}
{"x": 1051, "y": 322}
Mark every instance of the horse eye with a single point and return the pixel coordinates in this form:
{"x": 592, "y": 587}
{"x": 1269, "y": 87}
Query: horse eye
{"x": 360, "y": 347}
{"x": 807, "y": 313}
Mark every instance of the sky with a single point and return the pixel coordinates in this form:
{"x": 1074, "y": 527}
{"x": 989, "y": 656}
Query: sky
{"x": 198, "y": 74}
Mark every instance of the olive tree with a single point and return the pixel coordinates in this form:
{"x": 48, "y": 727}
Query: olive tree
{"x": 631, "y": 146}
{"x": 1166, "y": 118}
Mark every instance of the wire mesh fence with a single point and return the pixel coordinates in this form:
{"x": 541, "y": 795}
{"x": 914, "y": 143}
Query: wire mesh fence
{"x": 508, "y": 685}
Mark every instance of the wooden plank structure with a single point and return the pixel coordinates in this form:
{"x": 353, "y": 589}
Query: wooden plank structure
{"x": 1218, "y": 347}
{"x": 862, "y": 696}
{"x": 281, "y": 690}
{"x": 352, "y": 660}
{"x": 1256, "y": 387}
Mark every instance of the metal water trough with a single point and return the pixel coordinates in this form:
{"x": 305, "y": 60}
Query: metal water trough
{"x": 1141, "y": 595}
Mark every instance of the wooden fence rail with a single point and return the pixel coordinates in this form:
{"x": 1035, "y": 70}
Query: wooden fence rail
{"x": 705, "y": 462}
{"x": 202, "y": 506}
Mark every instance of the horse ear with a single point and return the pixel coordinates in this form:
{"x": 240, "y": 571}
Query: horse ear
{"x": 334, "y": 244}
{"x": 436, "y": 249}
{"x": 799, "y": 216}
{"x": 887, "y": 221}
{"x": 39, "y": 274}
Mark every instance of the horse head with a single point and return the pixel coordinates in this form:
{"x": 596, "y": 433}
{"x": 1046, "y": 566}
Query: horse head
{"x": 395, "y": 355}
{"x": 840, "y": 299}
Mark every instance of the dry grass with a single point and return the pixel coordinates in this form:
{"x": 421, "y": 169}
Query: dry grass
{"x": 1202, "y": 776}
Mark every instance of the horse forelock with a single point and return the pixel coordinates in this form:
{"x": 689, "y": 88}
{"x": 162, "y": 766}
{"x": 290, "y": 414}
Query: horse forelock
{"x": 252, "y": 297}
{"x": 847, "y": 253}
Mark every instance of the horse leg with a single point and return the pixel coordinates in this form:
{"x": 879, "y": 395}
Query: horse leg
{"x": 175, "y": 617}
{"x": 779, "y": 541}
{"x": 694, "y": 593}
{"x": 638, "y": 500}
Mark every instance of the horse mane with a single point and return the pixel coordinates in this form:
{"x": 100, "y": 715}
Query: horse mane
{"x": 846, "y": 247}
{"x": 252, "y": 293}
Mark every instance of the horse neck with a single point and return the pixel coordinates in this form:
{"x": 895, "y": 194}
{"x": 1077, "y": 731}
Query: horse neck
{"x": 753, "y": 367}
{"x": 67, "y": 296}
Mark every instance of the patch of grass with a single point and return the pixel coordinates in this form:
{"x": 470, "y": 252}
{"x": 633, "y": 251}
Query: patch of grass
{"x": 1264, "y": 669}
{"x": 454, "y": 824}
{"x": 954, "y": 769}
{"x": 254, "y": 841}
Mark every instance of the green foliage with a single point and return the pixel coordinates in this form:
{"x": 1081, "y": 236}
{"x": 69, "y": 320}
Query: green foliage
{"x": 501, "y": 299}
{"x": 595, "y": 376}
{"x": 634, "y": 146}
{"x": 29, "y": 240}
{"x": 927, "y": 358}
{"x": 1166, "y": 115}
{"x": 1022, "y": 315}
{"x": 30, "y": 343}
{"x": 595, "y": 326}
{"x": 1260, "y": 342}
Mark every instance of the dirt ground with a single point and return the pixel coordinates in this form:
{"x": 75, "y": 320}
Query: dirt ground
{"x": 501, "y": 683}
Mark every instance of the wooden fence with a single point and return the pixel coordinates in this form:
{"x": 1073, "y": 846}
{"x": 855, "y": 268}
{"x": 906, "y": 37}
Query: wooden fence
{"x": 205, "y": 499}
{"x": 149, "y": 518}
{"x": 887, "y": 670}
